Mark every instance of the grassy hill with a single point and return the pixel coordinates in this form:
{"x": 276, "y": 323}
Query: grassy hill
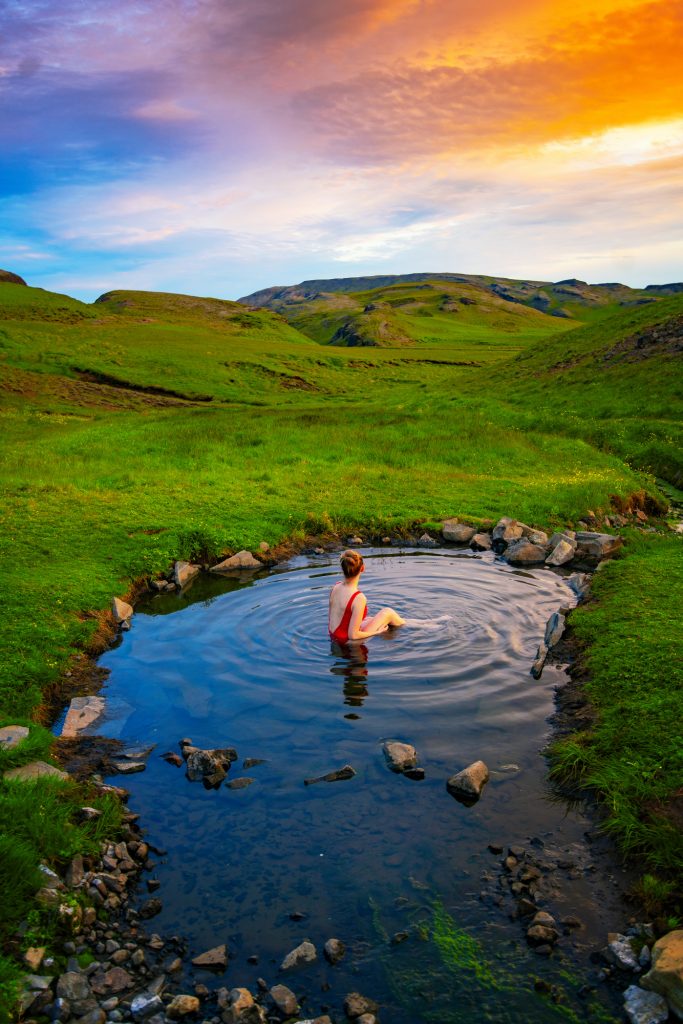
{"x": 147, "y": 427}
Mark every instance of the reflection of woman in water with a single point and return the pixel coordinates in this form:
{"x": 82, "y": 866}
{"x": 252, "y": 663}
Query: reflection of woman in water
{"x": 347, "y": 618}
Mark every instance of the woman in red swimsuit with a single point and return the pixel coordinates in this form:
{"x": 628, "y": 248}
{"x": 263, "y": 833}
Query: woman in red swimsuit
{"x": 347, "y": 618}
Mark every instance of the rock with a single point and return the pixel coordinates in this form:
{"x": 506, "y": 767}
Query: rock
{"x": 243, "y": 782}
{"x": 399, "y": 755}
{"x": 355, "y": 1005}
{"x": 12, "y": 735}
{"x": 481, "y": 542}
{"x": 547, "y": 920}
{"x": 83, "y": 711}
{"x": 596, "y": 546}
{"x": 145, "y": 1004}
{"x": 621, "y": 953}
{"x": 526, "y": 907}
{"x": 562, "y": 548}
{"x": 172, "y": 758}
{"x": 366, "y": 1018}
{"x": 242, "y": 1009}
{"x": 121, "y": 610}
{"x": 252, "y": 762}
{"x": 50, "y": 878}
{"x": 347, "y": 772}
{"x": 505, "y": 531}
{"x": 538, "y": 537}
{"x": 539, "y": 660}
{"x": 523, "y": 552}
{"x": 182, "y": 1005}
{"x": 540, "y": 934}
{"x": 468, "y": 784}
{"x": 645, "y": 958}
{"x": 129, "y": 767}
{"x": 644, "y": 1007}
{"x": 666, "y": 974}
{"x": 242, "y": 560}
{"x": 334, "y": 950}
{"x": 97, "y": 1016}
{"x": 426, "y": 541}
{"x": 416, "y": 774}
{"x": 304, "y": 953}
{"x": 457, "y": 533}
{"x": 184, "y": 573}
{"x": 554, "y": 629}
{"x": 215, "y": 959}
{"x": 150, "y": 908}
{"x": 75, "y": 988}
{"x": 355, "y": 540}
{"x": 34, "y": 770}
{"x": 205, "y": 763}
{"x": 33, "y": 958}
{"x": 284, "y": 999}
{"x": 114, "y": 980}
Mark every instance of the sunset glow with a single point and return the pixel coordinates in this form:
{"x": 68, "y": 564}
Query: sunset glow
{"x": 218, "y": 147}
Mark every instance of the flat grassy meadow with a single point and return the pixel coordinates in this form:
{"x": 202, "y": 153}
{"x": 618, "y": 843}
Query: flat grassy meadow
{"x": 150, "y": 427}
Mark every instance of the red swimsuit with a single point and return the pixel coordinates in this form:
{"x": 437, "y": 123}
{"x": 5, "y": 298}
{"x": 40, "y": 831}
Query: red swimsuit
{"x": 341, "y": 633}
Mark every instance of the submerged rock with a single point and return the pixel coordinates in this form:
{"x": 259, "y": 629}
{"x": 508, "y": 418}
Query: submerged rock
{"x": 242, "y": 560}
{"x": 355, "y": 1005}
{"x": 457, "y": 533}
{"x": 400, "y": 755}
{"x": 240, "y": 783}
{"x": 83, "y": 711}
{"x": 644, "y": 1007}
{"x": 334, "y": 950}
{"x": 339, "y": 775}
{"x": 466, "y": 786}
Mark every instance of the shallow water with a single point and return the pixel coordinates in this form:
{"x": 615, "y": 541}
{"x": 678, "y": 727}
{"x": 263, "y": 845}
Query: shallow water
{"x": 248, "y": 663}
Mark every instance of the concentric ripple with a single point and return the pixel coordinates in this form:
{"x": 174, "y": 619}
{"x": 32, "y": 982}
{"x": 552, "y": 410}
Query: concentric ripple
{"x": 248, "y": 663}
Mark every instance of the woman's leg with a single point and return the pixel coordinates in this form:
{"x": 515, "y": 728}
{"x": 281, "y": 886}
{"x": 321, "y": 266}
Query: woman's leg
{"x": 384, "y": 618}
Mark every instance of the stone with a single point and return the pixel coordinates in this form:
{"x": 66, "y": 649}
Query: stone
{"x": 243, "y": 782}
{"x": 242, "y": 1009}
{"x": 540, "y": 934}
{"x": 129, "y": 767}
{"x": 542, "y": 917}
{"x": 334, "y": 950}
{"x": 75, "y": 988}
{"x": 621, "y": 953}
{"x": 182, "y": 1005}
{"x": 145, "y": 1004}
{"x": 539, "y": 660}
{"x": 75, "y": 872}
{"x": 184, "y": 573}
{"x": 355, "y": 540}
{"x": 467, "y": 785}
{"x": 12, "y": 735}
{"x": 33, "y": 958}
{"x": 507, "y": 530}
{"x": 252, "y": 762}
{"x": 579, "y": 582}
{"x": 205, "y": 763}
{"x": 596, "y": 546}
{"x": 523, "y": 552}
{"x": 51, "y": 879}
{"x": 114, "y": 980}
{"x": 35, "y": 770}
{"x": 554, "y": 629}
{"x": 427, "y": 541}
{"x": 242, "y": 560}
{"x": 284, "y": 999}
{"x": 83, "y": 711}
{"x": 150, "y": 908}
{"x": 215, "y": 959}
{"x": 645, "y": 1007}
{"x": 562, "y": 553}
{"x": 538, "y": 537}
{"x": 457, "y": 533}
{"x": 172, "y": 758}
{"x": 355, "y": 1005}
{"x": 416, "y": 774}
{"x": 338, "y": 775}
{"x": 666, "y": 974}
{"x": 97, "y": 1016}
{"x": 481, "y": 542}
{"x": 121, "y": 610}
{"x": 399, "y": 755}
{"x": 304, "y": 953}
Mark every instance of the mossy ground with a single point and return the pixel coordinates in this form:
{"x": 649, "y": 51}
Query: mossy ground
{"x": 151, "y": 427}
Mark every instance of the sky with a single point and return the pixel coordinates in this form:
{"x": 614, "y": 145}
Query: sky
{"x": 216, "y": 147}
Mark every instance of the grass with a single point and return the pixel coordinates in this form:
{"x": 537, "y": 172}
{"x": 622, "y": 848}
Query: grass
{"x": 150, "y": 427}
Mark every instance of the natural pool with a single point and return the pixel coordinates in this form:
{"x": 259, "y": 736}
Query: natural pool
{"x": 247, "y": 663}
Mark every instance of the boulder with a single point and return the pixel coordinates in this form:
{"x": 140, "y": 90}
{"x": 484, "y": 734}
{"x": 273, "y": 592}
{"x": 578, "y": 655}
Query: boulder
{"x": 145, "y": 1004}
{"x": 182, "y": 1005}
{"x": 399, "y": 755}
{"x": 457, "y": 533}
{"x": 236, "y": 563}
{"x": 562, "y": 553}
{"x": 666, "y": 974}
{"x": 621, "y": 953}
{"x": 33, "y": 958}
{"x": 355, "y": 1005}
{"x": 554, "y": 629}
{"x": 215, "y": 959}
{"x": 427, "y": 541}
{"x": 242, "y": 1009}
{"x": 83, "y": 711}
{"x": 523, "y": 552}
{"x": 468, "y": 784}
{"x": 12, "y": 735}
{"x": 184, "y": 573}
{"x": 304, "y": 953}
{"x": 535, "y": 536}
{"x": 580, "y": 583}
{"x": 644, "y": 1007}
{"x": 481, "y": 542}
{"x": 541, "y": 934}
{"x": 334, "y": 950}
{"x": 75, "y": 988}
{"x": 35, "y": 770}
{"x": 505, "y": 531}
{"x": 284, "y": 999}
{"x": 121, "y": 610}
{"x": 596, "y": 546}
{"x": 208, "y": 763}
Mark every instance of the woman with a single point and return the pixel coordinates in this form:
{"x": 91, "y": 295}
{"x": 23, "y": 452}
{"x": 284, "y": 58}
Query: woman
{"x": 347, "y": 616}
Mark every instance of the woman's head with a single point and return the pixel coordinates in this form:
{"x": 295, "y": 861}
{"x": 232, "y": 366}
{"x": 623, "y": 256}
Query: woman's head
{"x": 352, "y": 563}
